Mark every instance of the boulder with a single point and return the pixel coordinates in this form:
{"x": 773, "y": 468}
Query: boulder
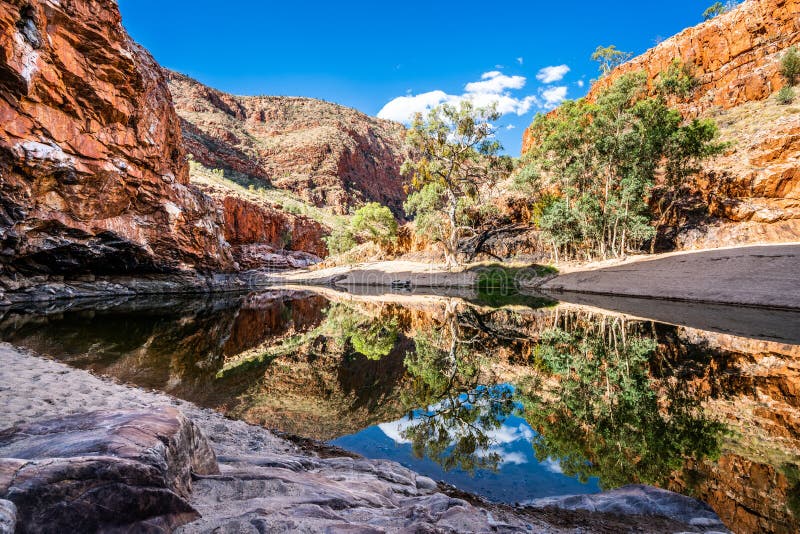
{"x": 103, "y": 471}
{"x": 638, "y": 499}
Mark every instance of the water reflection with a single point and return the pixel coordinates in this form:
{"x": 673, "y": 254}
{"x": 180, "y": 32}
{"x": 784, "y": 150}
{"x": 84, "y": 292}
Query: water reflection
{"x": 515, "y": 400}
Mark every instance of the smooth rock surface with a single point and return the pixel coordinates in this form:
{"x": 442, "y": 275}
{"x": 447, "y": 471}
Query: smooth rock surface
{"x": 8, "y": 517}
{"x": 101, "y": 471}
{"x": 766, "y": 276}
{"x": 638, "y": 499}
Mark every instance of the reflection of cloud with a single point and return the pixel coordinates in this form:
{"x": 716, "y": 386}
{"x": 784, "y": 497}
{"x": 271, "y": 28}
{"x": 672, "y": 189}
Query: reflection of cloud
{"x": 554, "y": 466}
{"x": 510, "y": 434}
{"x": 506, "y": 457}
{"x": 394, "y": 430}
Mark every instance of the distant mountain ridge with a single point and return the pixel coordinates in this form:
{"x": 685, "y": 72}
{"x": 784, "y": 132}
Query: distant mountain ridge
{"x": 327, "y": 154}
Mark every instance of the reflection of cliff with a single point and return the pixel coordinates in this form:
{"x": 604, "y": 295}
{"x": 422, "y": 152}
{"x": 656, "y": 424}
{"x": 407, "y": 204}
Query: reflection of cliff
{"x": 753, "y": 386}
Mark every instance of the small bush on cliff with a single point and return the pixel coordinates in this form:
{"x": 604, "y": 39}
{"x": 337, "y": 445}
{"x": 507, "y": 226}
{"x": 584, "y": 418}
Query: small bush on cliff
{"x": 677, "y": 80}
{"x": 375, "y": 222}
{"x": 719, "y": 8}
{"x": 790, "y": 66}
{"x": 786, "y": 95}
{"x": 609, "y": 58}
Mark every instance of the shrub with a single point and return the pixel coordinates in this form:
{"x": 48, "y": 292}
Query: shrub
{"x": 678, "y": 79}
{"x": 376, "y": 223}
{"x": 790, "y": 66}
{"x": 719, "y": 8}
{"x": 341, "y": 240}
{"x": 786, "y": 95}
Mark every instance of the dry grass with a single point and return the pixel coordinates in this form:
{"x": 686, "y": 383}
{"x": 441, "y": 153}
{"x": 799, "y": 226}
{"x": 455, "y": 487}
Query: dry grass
{"x": 252, "y": 189}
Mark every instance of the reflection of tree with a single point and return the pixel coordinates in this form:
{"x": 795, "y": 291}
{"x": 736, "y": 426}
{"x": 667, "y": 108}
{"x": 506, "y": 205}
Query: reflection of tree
{"x": 374, "y": 337}
{"x": 459, "y": 410}
{"x": 604, "y": 417}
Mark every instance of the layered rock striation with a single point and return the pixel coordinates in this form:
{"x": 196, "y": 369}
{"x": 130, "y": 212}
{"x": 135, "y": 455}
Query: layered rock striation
{"x": 327, "y": 154}
{"x": 93, "y": 171}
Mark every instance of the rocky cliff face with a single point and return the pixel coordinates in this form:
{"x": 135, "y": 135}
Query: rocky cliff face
{"x": 751, "y": 193}
{"x": 327, "y": 154}
{"x": 263, "y": 234}
{"x": 94, "y": 176}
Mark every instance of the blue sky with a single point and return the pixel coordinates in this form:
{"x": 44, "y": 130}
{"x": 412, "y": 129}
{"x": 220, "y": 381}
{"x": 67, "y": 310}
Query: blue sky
{"x": 367, "y": 54}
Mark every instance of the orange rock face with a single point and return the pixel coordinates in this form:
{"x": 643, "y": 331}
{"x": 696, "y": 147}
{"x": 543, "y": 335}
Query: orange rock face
{"x": 329, "y": 155}
{"x": 93, "y": 175}
{"x": 247, "y": 222}
{"x": 735, "y": 56}
{"x": 751, "y": 194}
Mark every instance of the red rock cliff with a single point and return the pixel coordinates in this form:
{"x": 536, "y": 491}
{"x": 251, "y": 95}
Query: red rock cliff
{"x": 751, "y": 194}
{"x": 735, "y": 56}
{"x": 93, "y": 175}
{"x": 327, "y": 154}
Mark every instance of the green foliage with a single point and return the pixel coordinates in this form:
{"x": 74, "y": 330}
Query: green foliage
{"x": 376, "y": 222}
{"x": 497, "y": 278}
{"x": 341, "y": 239}
{"x": 371, "y": 222}
{"x": 595, "y": 164}
{"x": 457, "y": 161}
{"x": 371, "y": 337}
{"x": 605, "y": 419}
{"x": 786, "y": 95}
{"x": 719, "y": 8}
{"x": 790, "y": 66}
{"x": 677, "y": 80}
{"x": 713, "y": 10}
{"x": 609, "y": 58}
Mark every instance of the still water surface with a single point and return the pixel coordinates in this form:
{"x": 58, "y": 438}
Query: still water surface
{"x": 523, "y": 399}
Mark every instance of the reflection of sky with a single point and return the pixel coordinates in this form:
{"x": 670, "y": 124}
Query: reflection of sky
{"x": 519, "y": 477}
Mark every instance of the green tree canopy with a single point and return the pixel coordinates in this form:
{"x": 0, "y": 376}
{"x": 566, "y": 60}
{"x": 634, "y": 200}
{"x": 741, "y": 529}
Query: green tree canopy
{"x": 596, "y": 164}
{"x": 609, "y": 58}
{"x": 376, "y": 223}
{"x": 458, "y": 161}
{"x": 790, "y": 66}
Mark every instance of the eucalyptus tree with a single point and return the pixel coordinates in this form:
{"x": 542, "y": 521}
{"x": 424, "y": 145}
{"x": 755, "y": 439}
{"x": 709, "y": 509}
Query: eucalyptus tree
{"x": 457, "y": 162}
{"x": 596, "y": 166}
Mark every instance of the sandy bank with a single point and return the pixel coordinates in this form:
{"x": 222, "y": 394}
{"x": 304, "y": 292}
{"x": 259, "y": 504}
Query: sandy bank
{"x": 764, "y": 276}
{"x": 270, "y": 482}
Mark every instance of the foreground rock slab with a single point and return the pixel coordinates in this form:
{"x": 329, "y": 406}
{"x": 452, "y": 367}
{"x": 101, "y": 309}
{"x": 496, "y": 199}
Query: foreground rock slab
{"x": 103, "y": 470}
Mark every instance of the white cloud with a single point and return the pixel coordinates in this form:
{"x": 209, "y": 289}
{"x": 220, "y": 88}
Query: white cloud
{"x": 402, "y": 108}
{"x": 510, "y": 127}
{"x": 554, "y": 95}
{"x": 580, "y": 83}
{"x": 552, "y": 74}
{"x": 494, "y": 88}
{"x": 520, "y": 60}
{"x": 495, "y": 82}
